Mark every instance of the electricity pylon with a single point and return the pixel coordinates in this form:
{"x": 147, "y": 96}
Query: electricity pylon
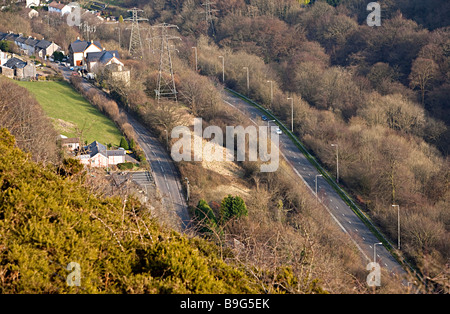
{"x": 209, "y": 16}
{"x": 166, "y": 82}
{"x": 136, "y": 46}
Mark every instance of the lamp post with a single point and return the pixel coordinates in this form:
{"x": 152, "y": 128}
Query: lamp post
{"x": 187, "y": 188}
{"x": 223, "y": 68}
{"x": 248, "y": 79}
{"x": 167, "y": 139}
{"x": 292, "y": 113}
{"x": 375, "y": 251}
{"x": 398, "y": 224}
{"x": 271, "y": 91}
{"x": 317, "y": 175}
{"x": 337, "y": 162}
{"x": 196, "y": 59}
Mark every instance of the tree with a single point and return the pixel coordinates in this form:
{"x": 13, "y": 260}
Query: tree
{"x": 232, "y": 207}
{"x": 121, "y": 19}
{"x": 205, "y": 217}
{"x": 4, "y": 45}
{"x": 423, "y": 72}
{"x": 124, "y": 143}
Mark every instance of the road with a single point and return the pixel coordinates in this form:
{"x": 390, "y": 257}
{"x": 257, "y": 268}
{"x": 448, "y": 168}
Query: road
{"x": 166, "y": 176}
{"x": 168, "y": 182}
{"x": 342, "y": 214}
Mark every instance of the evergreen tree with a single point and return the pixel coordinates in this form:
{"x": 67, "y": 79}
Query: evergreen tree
{"x": 124, "y": 143}
{"x": 232, "y": 207}
{"x": 205, "y": 216}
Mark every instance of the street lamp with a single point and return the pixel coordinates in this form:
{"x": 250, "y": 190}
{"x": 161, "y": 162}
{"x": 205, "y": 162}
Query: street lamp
{"x": 271, "y": 91}
{"x": 317, "y": 175}
{"x": 223, "y": 69}
{"x": 196, "y": 59}
{"x": 292, "y": 113}
{"x": 167, "y": 139}
{"x": 337, "y": 162}
{"x": 187, "y": 188}
{"x": 375, "y": 251}
{"x": 398, "y": 224}
{"x": 248, "y": 79}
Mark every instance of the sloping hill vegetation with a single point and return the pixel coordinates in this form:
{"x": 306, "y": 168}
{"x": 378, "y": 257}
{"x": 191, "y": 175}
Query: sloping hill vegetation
{"x": 380, "y": 93}
{"x": 48, "y": 221}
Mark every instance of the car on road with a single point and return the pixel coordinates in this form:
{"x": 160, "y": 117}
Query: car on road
{"x": 264, "y": 118}
{"x": 279, "y": 132}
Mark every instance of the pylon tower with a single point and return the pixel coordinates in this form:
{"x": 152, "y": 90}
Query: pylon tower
{"x": 166, "y": 83}
{"x": 209, "y": 16}
{"x": 136, "y": 47}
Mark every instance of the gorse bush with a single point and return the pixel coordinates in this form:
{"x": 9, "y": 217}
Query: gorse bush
{"x": 48, "y": 221}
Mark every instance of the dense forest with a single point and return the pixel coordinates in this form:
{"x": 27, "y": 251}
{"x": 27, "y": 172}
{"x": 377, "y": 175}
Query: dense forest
{"x": 381, "y": 93}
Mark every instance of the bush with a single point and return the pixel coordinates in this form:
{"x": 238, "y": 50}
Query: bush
{"x": 125, "y": 166}
{"x": 205, "y": 217}
{"x": 232, "y": 207}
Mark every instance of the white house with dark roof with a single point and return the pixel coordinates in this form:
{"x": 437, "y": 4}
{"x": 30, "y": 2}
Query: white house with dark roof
{"x": 79, "y": 49}
{"x": 103, "y": 58}
{"x": 96, "y": 155}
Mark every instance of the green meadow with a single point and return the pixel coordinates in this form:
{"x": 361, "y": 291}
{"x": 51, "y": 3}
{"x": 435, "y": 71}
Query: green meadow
{"x": 70, "y": 111}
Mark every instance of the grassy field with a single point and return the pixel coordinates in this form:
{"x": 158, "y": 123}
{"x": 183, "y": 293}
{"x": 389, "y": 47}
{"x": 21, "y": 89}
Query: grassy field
{"x": 69, "y": 111}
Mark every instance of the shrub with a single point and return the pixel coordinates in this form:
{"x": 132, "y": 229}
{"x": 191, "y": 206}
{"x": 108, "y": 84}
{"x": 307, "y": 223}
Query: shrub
{"x": 232, "y": 207}
{"x": 125, "y": 166}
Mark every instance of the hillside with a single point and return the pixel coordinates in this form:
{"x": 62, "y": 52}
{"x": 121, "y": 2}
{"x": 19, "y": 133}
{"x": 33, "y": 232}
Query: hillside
{"x": 47, "y": 222}
{"x": 71, "y": 114}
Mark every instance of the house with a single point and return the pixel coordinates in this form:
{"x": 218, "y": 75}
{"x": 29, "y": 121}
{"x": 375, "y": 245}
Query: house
{"x": 29, "y": 45}
{"x": 103, "y": 58}
{"x": 119, "y": 74}
{"x": 20, "y": 41}
{"x": 45, "y": 48}
{"x": 3, "y": 57}
{"x": 96, "y": 155}
{"x": 33, "y": 3}
{"x": 79, "y": 49}
{"x": 15, "y": 67}
{"x": 71, "y": 144}
{"x": 31, "y": 13}
{"x": 58, "y": 7}
{"x": 8, "y": 36}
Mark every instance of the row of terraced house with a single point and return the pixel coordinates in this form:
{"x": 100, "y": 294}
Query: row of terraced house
{"x": 31, "y": 45}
